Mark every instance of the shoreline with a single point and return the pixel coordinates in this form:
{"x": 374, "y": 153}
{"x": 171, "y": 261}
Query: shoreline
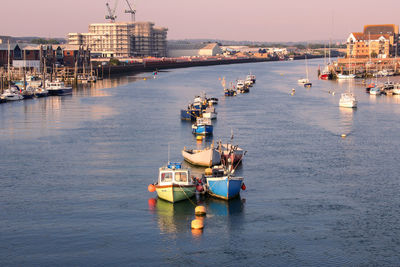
{"x": 168, "y": 63}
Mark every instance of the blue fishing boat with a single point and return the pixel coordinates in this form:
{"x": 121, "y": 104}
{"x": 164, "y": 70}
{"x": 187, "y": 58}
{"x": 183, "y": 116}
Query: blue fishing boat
{"x": 222, "y": 184}
{"x": 190, "y": 113}
{"x": 202, "y": 126}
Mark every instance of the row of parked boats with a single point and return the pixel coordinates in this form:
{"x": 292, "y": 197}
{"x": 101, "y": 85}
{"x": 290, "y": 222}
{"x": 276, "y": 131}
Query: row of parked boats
{"x": 387, "y": 88}
{"x": 34, "y": 88}
{"x": 175, "y": 183}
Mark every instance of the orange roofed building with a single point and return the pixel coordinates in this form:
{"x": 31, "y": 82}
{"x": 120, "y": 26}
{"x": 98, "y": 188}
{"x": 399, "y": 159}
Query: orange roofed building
{"x": 376, "y": 41}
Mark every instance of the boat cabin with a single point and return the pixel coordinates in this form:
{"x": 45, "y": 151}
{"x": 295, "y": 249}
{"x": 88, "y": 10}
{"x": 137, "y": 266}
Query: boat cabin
{"x": 174, "y": 174}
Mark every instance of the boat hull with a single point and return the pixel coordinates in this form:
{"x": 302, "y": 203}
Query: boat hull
{"x": 174, "y": 193}
{"x": 62, "y": 91}
{"x": 224, "y": 187}
{"x": 189, "y": 115}
{"x": 203, "y": 129}
{"x": 205, "y": 158}
{"x": 348, "y": 104}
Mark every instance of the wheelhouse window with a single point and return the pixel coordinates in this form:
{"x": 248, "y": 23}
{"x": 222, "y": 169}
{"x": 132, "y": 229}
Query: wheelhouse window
{"x": 181, "y": 177}
{"x": 166, "y": 177}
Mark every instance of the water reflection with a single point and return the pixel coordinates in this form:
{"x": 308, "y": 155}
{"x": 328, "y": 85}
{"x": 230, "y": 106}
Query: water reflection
{"x": 346, "y": 120}
{"x": 173, "y": 218}
{"x": 219, "y": 207}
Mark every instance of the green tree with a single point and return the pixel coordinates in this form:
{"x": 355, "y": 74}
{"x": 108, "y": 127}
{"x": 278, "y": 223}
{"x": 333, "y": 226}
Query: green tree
{"x": 114, "y": 61}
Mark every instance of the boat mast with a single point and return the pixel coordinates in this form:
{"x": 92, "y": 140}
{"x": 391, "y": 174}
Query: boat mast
{"x": 306, "y": 66}
{"x": 8, "y": 63}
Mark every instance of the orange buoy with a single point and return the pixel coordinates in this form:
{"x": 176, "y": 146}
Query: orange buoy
{"x": 208, "y": 171}
{"x": 343, "y": 135}
{"x": 200, "y": 210}
{"x": 151, "y": 188}
{"x": 197, "y": 224}
{"x": 243, "y": 186}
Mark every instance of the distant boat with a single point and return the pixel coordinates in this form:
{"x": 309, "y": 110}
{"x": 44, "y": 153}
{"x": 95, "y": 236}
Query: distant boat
{"x": 347, "y": 100}
{"x": 345, "y": 76}
{"x": 190, "y": 113}
{"x": 202, "y": 126}
{"x": 212, "y": 101}
{"x": 174, "y": 183}
{"x": 207, "y": 157}
{"x": 241, "y": 86}
{"x": 210, "y": 113}
{"x": 28, "y": 93}
{"x": 396, "y": 89}
{"x": 305, "y": 81}
{"x": 251, "y": 77}
{"x": 41, "y": 92}
{"x": 12, "y": 94}
{"x": 58, "y": 88}
{"x": 375, "y": 91}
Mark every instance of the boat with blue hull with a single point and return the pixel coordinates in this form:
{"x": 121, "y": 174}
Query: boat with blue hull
{"x": 202, "y": 126}
{"x": 223, "y": 185}
{"x": 190, "y": 114}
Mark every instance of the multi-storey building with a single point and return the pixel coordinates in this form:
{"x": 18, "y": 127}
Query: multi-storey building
{"x": 123, "y": 39}
{"x": 380, "y": 41}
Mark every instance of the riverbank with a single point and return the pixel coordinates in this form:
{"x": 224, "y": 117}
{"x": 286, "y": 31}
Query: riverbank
{"x": 153, "y": 64}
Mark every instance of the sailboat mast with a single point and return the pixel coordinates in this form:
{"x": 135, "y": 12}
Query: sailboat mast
{"x": 306, "y": 66}
{"x": 8, "y": 63}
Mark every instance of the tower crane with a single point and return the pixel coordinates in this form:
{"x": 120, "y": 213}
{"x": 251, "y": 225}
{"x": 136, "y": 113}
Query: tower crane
{"x": 131, "y": 10}
{"x": 111, "y": 13}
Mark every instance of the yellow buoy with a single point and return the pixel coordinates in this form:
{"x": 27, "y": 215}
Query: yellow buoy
{"x": 144, "y": 79}
{"x": 199, "y": 138}
{"x": 200, "y": 210}
{"x": 208, "y": 171}
{"x": 343, "y": 135}
{"x": 197, "y": 224}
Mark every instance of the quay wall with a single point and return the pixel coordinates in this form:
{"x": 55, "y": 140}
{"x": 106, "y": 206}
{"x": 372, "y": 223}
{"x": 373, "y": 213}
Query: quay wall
{"x": 151, "y": 65}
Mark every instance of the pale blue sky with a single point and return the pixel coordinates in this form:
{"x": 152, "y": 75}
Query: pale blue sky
{"x": 253, "y": 20}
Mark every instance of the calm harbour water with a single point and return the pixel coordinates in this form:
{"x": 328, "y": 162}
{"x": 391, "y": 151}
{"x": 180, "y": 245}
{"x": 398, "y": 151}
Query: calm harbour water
{"x": 74, "y": 172}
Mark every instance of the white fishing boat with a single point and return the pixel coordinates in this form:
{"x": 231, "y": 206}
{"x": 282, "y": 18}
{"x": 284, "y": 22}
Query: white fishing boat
{"x": 305, "y": 81}
{"x": 347, "y": 100}
{"x": 58, "y": 88}
{"x": 12, "y": 94}
{"x": 396, "y": 89}
{"x": 240, "y": 84}
{"x": 210, "y": 113}
{"x": 174, "y": 183}
{"x": 345, "y": 76}
{"x": 202, "y": 157}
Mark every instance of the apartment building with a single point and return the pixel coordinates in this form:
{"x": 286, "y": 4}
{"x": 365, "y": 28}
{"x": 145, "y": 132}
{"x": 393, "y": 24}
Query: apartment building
{"x": 123, "y": 39}
{"x": 381, "y": 41}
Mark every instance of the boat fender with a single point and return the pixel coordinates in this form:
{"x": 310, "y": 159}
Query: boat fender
{"x": 151, "y": 188}
{"x": 199, "y": 188}
{"x": 243, "y": 187}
